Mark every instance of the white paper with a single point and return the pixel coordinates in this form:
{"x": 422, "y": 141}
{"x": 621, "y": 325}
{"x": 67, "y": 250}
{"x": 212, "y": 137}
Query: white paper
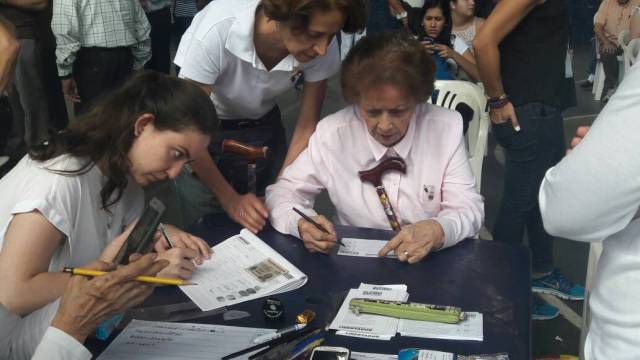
{"x": 434, "y": 355}
{"x": 142, "y": 340}
{"x": 368, "y": 325}
{"x": 225, "y": 279}
{"x": 363, "y": 247}
{"x": 468, "y": 329}
{"x": 371, "y": 356}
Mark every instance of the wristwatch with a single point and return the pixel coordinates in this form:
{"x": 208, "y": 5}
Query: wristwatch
{"x": 401, "y": 15}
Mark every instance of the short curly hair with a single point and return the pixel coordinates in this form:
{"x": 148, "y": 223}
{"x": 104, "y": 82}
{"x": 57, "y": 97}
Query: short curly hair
{"x": 392, "y": 58}
{"x": 297, "y": 13}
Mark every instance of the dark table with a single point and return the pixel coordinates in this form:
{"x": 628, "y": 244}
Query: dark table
{"x": 477, "y": 275}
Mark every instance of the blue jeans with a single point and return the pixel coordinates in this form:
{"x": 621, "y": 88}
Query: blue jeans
{"x": 538, "y": 146}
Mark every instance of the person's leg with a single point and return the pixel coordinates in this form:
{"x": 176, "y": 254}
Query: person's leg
{"x": 520, "y": 156}
{"x": 59, "y": 118}
{"x": 30, "y": 89}
{"x": 610, "y": 67}
{"x": 160, "y": 21}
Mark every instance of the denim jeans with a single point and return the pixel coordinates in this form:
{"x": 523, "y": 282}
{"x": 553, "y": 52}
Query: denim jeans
{"x": 538, "y": 146}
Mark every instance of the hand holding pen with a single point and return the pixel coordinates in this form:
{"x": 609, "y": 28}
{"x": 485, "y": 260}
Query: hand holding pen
{"x": 317, "y": 233}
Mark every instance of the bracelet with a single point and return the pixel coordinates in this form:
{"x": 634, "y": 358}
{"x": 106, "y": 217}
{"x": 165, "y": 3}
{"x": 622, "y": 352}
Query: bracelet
{"x": 401, "y": 15}
{"x": 498, "y": 102}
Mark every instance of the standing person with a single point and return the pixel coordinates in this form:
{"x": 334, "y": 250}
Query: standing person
{"x": 159, "y": 15}
{"x": 465, "y": 24}
{"x": 592, "y": 196}
{"x": 521, "y": 51}
{"x": 386, "y": 15}
{"x": 245, "y": 54}
{"x": 612, "y": 17}
{"x": 99, "y": 45}
{"x": 28, "y": 97}
{"x": 64, "y": 202}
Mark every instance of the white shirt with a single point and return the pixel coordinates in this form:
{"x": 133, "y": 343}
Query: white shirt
{"x": 72, "y": 204}
{"x": 55, "y": 344}
{"x": 436, "y": 158}
{"x": 594, "y": 194}
{"x": 217, "y": 49}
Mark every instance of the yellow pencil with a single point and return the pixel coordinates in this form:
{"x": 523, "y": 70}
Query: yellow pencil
{"x": 149, "y": 279}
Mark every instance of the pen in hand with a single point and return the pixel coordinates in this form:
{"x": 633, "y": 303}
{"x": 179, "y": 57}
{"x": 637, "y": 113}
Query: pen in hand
{"x": 314, "y": 223}
{"x": 163, "y": 231}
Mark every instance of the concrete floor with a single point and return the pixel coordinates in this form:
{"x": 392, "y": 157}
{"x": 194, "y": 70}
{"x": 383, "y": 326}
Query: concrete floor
{"x": 556, "y": 336}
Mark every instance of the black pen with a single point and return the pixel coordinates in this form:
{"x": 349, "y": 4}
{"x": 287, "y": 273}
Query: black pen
{"x": 320, "y": 227}
{"x": 271, "y": 343}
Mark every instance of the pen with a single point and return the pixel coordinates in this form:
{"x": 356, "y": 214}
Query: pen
{"x": 163, "y": 231}
{"x": 266, "y": 337}
{"x": 270, "y": 343}
{"x": 320, "y": 227}
{"x": 149, "y": 279}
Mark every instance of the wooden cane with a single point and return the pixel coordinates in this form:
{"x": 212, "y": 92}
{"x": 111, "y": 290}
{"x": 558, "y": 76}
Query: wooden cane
{"x": 251, "y": 154}
{"x": 374, "y": 176}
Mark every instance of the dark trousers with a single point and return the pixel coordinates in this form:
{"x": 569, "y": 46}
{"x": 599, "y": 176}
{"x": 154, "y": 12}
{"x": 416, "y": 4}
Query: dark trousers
{"x": 160, "y": 21}
{"x": 99, "y": 70}
{"x": 611, "y": 68}
{"x": 538, "y": 146}
{"x": 28, "y": 99}
{"x": 269, "y": 132}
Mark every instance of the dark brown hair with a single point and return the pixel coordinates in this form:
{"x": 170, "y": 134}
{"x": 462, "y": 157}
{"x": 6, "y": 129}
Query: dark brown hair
{"x": 106, "y": 130}
{"x": 297, "y": 13}
{"x": 388, "y": 59}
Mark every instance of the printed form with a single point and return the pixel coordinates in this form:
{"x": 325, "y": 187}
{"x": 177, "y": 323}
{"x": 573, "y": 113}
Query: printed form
{"x": 147, "y": 340}
{"x": 243, "y": 268}
{"x": 363, "y": 247}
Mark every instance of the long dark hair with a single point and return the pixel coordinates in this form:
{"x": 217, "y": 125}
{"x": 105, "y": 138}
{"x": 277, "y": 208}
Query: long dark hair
{"x": 445, "y": 35}
{"x": 106, "y": 131}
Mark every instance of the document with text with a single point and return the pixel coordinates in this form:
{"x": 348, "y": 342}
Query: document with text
{"x": 242, "y": 268}
{"x": 468, "y": 329}
{"x": 151, "y": 340}
{"x": 363, "y": 247}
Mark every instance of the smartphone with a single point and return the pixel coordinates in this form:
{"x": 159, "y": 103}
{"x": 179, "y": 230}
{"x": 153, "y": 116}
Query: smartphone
{"x": 330, "y": 353}
{"x": 141, "y": 238}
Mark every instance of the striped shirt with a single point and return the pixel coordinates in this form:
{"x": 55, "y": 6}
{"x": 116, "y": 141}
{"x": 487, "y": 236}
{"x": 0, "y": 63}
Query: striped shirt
{"x": 99, "y": 23}
{"x": 185, "y": 8}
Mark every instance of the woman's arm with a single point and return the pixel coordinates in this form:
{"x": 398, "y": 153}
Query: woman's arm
{"x": 29, "y": 244}
{"x": 312, "y": 99}
{"x": 465, "y": 61}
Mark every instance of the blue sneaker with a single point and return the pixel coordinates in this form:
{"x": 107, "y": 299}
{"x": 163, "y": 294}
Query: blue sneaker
{"x": 558, "y": 285}
{"x": 542, "y": 310}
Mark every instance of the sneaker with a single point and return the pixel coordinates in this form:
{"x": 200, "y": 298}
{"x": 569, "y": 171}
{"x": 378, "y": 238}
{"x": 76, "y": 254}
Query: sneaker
{"x": 542, "y": 310}
{"x": 558, "y": 285}
{"x": 586, "y": 84}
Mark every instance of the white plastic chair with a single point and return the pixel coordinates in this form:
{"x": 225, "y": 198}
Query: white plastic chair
{"x": 450, "y": 94}
{"x": 631, "y": 54}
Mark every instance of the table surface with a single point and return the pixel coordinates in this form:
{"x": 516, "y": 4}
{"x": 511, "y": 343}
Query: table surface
{"x": 476, "y": 275}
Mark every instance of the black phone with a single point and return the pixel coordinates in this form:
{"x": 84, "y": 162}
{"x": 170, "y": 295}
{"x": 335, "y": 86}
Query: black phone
{"x": 141, "y": 238}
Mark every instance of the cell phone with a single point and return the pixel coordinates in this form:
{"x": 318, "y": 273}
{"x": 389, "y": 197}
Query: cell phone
{"x": 140, "y": 239}
{"x": 330, "y": 353}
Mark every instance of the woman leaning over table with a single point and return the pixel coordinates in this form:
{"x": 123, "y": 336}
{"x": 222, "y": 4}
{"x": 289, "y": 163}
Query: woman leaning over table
{"x": 386, "y": 79}
{"x": 64, "y": 202}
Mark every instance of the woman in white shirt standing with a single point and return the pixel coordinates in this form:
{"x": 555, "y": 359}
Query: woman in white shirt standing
{"x": 386, "y": 79}
{"x": 465, "y": 24}
{"x": 64, "y": 202}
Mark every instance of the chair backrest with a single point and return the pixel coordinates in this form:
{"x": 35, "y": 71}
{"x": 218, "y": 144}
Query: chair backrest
{"x": 463, "y": 96}
{"x": 632, "y": 52}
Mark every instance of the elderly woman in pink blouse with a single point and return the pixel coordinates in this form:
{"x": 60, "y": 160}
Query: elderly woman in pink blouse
{"x": 386, "y": 79}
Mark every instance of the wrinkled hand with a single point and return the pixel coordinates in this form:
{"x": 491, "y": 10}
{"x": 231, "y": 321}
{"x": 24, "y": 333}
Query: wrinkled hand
{"x": 415, "y": 241}
{"x": 87, "y": 302}
{"x": 504, "y": 114}
{"x": 70, "y": 90}
{"x": 248, "y": 211}
{"x": 316, "y": 240}
{"x": 183, "y": 240}
{"x": 581, "y": 132}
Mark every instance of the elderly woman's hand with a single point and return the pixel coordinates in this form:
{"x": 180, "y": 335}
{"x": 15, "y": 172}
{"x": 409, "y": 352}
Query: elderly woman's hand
{"x": 316, "y": 240}
{"x": 87, "y": 302}
{"x": 415, "y": 241}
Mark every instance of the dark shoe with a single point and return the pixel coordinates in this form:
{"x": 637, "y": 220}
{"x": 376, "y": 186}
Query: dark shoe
{"x": 586, "y": 84}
